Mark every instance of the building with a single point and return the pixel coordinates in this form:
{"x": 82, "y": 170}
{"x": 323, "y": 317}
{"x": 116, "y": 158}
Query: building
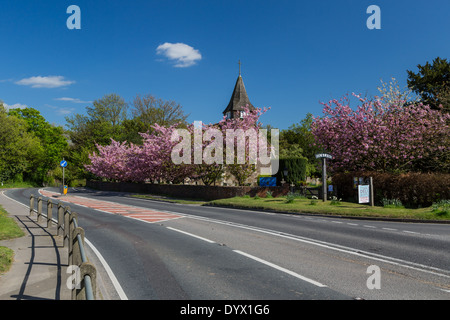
{"x": 239, "y": 100}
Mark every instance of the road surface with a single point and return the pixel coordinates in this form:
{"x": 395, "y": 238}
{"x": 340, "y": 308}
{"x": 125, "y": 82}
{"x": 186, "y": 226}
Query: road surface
{"x": 166, "y": 251}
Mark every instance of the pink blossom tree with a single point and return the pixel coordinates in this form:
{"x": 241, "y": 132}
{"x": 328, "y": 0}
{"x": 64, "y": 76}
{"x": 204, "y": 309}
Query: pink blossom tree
{"x": 380, "y": 136}
{"x": 149, "y": 162}
{"x": 152, "y": 161}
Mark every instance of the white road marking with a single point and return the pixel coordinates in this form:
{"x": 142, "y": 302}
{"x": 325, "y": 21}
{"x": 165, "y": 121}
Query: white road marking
{"x": 190, "y": 234}
{"x": 292, "y": 273}
{"x": 335, "y": 247}
{"x": 110, "y": 273}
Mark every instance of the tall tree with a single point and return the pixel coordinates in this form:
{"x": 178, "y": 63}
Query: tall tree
{"x": 20, "y": 150}
{"x": 150, "y": 110}
{"x": 298, "y": 141}
{"x": 102, "y": 122}
{"x": 431, "y": 82}
{"x": 53, "y": 142}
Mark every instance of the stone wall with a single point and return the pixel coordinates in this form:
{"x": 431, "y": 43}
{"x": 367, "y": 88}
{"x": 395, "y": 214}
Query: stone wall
{"x": 187, "y": 191}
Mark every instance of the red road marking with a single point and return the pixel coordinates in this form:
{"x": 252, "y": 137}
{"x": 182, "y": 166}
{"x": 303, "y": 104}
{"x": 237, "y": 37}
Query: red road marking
{"x": 143, "y": 214}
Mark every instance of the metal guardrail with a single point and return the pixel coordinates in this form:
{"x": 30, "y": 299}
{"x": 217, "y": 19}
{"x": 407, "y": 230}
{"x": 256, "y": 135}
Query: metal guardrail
{"x": 67, "y": 225}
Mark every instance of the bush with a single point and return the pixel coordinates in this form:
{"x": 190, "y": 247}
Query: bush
{"x": 441, "y": 207}
{"x": 392, "y": 203}
{"x": 335, "y": 201}
{"x": 290, "y": 197}
{"x": 412, "y": 189}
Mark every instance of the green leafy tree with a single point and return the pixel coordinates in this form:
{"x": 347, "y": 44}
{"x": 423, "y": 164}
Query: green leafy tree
{"x": 102, "y": 121}
{"x": 298, "y": 142}
{"x": 20, "y": 150}
{"x": 431, "y": 82}
{"x": 51, "y": 137}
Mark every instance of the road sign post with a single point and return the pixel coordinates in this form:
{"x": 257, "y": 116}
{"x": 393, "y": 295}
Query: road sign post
{"x": 324, "y": 157}
{"x": 63, "y": 164}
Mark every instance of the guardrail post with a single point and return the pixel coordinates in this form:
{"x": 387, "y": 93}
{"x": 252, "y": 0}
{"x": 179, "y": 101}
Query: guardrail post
{"x": 71, "y": 226}
{"x": 31, "y": 205}
{"x": 49, "y": 213}
{"x": 60, "y": 219}
{"x": 76, "y": 253}
{"x": 39, "y": 213}
{"x": 66, "y": 225}
{"x": 88, "y": 288}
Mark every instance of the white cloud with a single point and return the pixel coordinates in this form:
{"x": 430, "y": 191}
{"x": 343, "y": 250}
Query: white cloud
{"x": 182, "y": 54}
{"x": 60, "y": 110}
{"x": 45, "y": 82}
{"x": 15, "y": 106}
{"x": 74, "y": 100}
{"x": 65, "y": 111}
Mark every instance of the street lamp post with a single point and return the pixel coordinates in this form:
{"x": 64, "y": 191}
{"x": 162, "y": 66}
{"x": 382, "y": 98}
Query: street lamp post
{"x": 285, "y": 173}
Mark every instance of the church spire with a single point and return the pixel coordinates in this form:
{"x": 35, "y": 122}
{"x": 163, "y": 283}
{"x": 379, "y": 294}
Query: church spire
{"x": 239, "y": 99}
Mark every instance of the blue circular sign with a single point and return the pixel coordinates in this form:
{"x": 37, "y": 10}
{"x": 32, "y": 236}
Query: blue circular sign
{"x": 63, "y": 163}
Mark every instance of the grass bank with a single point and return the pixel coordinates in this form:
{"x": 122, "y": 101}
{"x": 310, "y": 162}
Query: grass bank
{"x": 24, "y": 184}
{"x": 347, "y": 209}
{"x": 8, "y": 230}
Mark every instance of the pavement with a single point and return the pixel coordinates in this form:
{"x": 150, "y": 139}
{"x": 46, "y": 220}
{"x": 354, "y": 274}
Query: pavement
{"x": 39, "y": 270}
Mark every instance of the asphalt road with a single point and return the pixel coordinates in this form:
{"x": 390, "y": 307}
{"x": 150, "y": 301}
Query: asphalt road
{"x": 210, "y": 253}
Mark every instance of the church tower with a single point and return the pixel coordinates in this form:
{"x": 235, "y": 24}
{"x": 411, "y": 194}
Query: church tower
{"x": 239, "y": 100}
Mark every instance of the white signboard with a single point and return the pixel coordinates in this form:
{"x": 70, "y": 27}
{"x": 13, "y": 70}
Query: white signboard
{"x": 323, "y": 155}
{"x": 363, "y": 194}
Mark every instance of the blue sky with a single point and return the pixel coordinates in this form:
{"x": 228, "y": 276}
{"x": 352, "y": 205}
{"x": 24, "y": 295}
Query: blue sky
{"x": 294, "y": 53}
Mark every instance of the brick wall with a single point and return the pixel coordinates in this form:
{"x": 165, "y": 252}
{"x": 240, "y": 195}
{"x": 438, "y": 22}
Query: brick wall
{"x": 187, "y": 191}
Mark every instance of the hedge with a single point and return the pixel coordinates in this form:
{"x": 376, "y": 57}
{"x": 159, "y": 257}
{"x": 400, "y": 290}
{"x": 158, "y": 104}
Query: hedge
{"x": 412, "y": 189}
{"x": 296, "y": 170}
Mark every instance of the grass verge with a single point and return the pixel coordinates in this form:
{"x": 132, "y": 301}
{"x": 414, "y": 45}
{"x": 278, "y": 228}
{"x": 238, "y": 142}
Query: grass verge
{"x": 10, "y": 185}
{"x": 348, "y": 209}
{"x": 8, "y": 230}
{"x": 6, "y": 259}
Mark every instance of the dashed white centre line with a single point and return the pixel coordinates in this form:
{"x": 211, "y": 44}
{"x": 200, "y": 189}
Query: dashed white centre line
{"x": 190, "y": 234}
{"x": 412, "y": 232}
{"x": 292, "y": 273}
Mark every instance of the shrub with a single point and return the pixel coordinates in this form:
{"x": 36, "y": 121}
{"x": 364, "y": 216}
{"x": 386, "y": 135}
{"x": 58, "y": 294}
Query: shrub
{"x": 335, "y": 201}
{"x": 290, "y": 198}
{"x": 441, "y": 207}
{"x": 412, "y": 189}
{"x": 392, "y": 203}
